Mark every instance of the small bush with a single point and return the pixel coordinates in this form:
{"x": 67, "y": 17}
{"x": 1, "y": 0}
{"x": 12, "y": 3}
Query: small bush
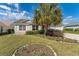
{"x": 58, "y": 33}
{"x": 10, "y": 31}
{"x": 41, "y": 31}
{"x": 4, "y": 33}
{"x": 55, "y": 33}
{"x": 32, "y": 32}
{"x": 77, "y": 29}
{"x": 68, "y": 29}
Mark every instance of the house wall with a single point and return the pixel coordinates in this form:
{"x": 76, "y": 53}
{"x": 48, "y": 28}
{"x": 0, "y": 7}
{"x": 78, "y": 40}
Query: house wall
{"x": 39, "y": 27}
{"x": 17, "y": 31}
{"x": 58, "y": 28}
{"x": 3, "y": 30}
{"x": 73, "y": 27}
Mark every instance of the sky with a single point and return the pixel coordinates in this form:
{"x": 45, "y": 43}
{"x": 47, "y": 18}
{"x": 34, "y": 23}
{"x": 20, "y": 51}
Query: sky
{"x": 13, "y": 11}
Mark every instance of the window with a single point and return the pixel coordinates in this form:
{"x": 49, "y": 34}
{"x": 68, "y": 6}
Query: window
{"x": 22, "y": 27}
{"x": 34, "y": 27}
{"x": 37, "y": 27}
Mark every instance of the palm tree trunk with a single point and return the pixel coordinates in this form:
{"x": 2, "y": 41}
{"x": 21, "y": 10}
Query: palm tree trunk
{"x": 45, "y": 29}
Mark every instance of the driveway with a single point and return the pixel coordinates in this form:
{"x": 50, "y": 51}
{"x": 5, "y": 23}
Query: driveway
{"x": 71, "y": 36}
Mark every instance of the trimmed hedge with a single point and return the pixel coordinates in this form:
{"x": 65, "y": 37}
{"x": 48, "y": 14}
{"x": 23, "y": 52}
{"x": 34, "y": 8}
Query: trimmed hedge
{"x": 68, "y": 29}
{"x": 32, "y": 32}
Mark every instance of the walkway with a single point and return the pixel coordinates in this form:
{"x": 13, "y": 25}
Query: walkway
{"x": 71, "y": 36}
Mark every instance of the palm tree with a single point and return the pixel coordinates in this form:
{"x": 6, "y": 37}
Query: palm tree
{"x": 37, "y": 17}
{"x": 47, "y": 14}
{"x": 57, "y": 14}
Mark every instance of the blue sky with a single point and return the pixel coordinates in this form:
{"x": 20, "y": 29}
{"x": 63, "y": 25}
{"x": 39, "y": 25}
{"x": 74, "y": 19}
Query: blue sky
{"x": 13, "y": 11}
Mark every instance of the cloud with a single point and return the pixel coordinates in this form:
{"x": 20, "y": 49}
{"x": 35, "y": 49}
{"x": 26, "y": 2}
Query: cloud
{"x": 3, "y": 13}
{"x": 65, "y": 23}
{"x": 68, "y": 17}
{"x": 5, "y": 7}
{"x": 16, "y": 5}
{"x": 8, "y": 14}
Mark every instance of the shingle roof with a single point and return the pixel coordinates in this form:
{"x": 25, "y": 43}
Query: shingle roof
{"x": 22, "y": 22}
{"x": 72, "y": 24}
{"x": 2, "y": 25}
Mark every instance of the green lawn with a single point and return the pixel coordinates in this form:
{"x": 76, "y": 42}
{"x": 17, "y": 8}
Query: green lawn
{"x": 9, "y": 43}
{"x": 75, "y": 32}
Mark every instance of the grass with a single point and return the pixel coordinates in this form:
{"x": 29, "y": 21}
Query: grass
{"x": 59, "y": 39}
{"x": 9, "y": 43}
{"x": 72, "y": 32}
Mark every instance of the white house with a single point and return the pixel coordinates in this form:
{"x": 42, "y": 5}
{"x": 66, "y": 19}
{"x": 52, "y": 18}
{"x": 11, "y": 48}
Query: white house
{"x": 73, "y": 25}
{"x": 22, "y": 25}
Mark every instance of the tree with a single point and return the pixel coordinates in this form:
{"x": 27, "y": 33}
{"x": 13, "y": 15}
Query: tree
{"x": 37, "y": 17}
{"x": 47, "y": 14}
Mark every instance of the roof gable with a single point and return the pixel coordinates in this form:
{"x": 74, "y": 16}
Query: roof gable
{"x": 2, "y": 24}
{"x": 22, "y": 22}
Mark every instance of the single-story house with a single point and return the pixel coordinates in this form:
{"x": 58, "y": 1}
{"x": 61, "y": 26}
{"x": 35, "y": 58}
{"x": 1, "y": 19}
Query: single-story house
{"x": 72, "y": 26}
{"x": 21, "y": 26}
{"x": 3, "y": 28}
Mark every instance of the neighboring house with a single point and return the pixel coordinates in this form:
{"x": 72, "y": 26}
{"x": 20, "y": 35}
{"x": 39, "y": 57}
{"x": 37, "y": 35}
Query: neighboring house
{"x": 22, "y": 25}
{"x": 57, "y": 27}
{"x": 3, "y": 28}
{"x": 72, "y": 25}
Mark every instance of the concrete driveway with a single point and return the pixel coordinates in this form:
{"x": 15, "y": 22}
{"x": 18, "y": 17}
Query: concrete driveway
{"x": 71, "y": 36}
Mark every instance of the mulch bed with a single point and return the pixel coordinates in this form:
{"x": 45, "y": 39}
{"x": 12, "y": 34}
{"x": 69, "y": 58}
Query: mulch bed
{"x": 34, "y": 50}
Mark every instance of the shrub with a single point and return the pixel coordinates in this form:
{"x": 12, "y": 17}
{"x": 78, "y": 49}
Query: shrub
{"x": 32, "y": 32}
{"x": 41, "y": 31}
{"x": 4, "y": 33}
{"x": 77, "y": 29}
{"x": 10, "y": 31}
{"x": 56, "y": 33}
{"x": 68, "y": 29}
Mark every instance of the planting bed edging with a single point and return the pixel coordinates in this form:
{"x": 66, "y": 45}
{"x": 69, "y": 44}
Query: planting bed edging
{"x": 55, "y": 54}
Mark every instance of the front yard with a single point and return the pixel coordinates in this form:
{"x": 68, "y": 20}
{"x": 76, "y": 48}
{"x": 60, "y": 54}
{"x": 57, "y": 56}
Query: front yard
{"x": 9, "y": 43}
{"x": 72, "y": 32}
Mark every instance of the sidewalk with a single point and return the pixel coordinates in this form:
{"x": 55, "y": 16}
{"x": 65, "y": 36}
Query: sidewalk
{"x": 71, "y": 36}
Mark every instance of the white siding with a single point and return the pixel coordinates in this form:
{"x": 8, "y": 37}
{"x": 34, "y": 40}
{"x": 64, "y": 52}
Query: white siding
{"x": 39, "y": 27}
{"x": 29, "y": 28}
{"x": 58, "y": 28}
{"x": 17, "y": 31}
{"x": 73, "y": 27}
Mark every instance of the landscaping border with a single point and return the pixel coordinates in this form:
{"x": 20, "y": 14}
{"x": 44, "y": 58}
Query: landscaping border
{"x": 55, "y": 54}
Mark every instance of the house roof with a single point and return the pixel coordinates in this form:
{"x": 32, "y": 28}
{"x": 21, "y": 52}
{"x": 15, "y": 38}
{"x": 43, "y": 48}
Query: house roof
{"x": 2, "y": 25}
{"x": 72, "y": 24}
{"x": 22, "y": 22}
